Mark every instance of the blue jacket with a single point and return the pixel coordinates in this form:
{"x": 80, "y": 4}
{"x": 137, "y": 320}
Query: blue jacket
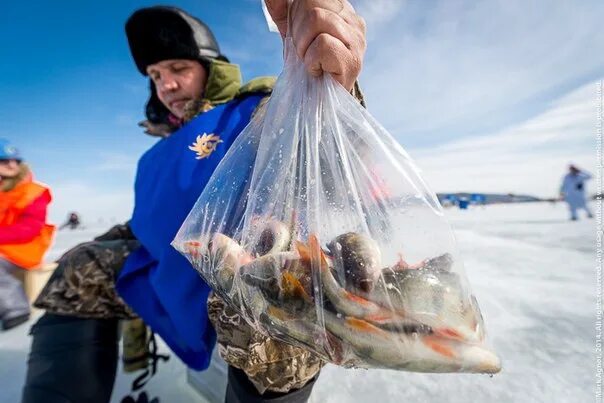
{"x": 156, "y": 281}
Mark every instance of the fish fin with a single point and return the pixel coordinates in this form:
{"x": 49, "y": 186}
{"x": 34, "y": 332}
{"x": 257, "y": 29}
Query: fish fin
{"x": 436, "y": 344}
{"x": 335, "y": 348}
{"x": 363, "y": 326}
{"x": 317, "y": 251}
{"x": 355, "y": 298}
{"x": 303, "y": 251}
{"x": 292, "y": 286}
{"x": 449, "y": 333}
{"x": 385, "y": 317}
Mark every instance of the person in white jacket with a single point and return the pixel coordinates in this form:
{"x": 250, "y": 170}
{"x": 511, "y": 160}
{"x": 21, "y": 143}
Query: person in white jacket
{"x": 573, "y": 191}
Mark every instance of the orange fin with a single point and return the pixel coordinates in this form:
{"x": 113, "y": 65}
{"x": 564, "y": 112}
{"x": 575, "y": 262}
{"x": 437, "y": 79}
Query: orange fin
{"x": 436, "y": 344}
{"x": 292, "y": 286}
{"x": 449, "y": 333}
{"x": 316, "y": 251}
{"x": 383, "y": 317}
{"x": 355, "y": 298}
{"x": 303, "y": 251}
{"x": 363, "y": 326}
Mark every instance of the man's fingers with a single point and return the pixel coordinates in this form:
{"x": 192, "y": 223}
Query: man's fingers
{"x": 336, "y": 6}
{"x": 319, "y": 21}
{"x": 344, "y": 69}
{"x": 278, "y": 11}
{"x": 328, "y": 35}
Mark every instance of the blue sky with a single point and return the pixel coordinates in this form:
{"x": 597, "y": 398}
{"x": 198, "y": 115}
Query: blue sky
{"x": 437, "y": 74}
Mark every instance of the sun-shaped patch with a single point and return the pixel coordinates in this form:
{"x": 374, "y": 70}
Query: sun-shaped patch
{"x": 205, "y": 145}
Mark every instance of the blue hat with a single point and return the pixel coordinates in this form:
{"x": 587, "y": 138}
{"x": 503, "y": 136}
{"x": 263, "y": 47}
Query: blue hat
{"x": 8, "y": 151}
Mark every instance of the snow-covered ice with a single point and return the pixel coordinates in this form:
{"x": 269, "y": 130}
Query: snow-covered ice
{"x": 534, "y": 275}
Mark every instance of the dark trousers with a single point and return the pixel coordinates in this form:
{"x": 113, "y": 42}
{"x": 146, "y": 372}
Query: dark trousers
{"x": 241, "y": 390}
{"x": 72, "y": 360}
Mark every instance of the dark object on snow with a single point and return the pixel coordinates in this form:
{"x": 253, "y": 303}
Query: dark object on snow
{"x": 10, "y": 323}
{"x": 73, "y": 221}
{"x": 142, "y": 398}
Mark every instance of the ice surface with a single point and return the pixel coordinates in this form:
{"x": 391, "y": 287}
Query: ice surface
{"x": 533, "y": 273}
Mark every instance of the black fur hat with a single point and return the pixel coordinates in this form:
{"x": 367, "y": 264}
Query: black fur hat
{"x": 161, "y": 33}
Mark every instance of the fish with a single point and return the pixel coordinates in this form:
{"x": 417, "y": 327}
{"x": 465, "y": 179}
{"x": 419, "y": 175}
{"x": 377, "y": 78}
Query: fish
{"x": 225, "y": 256}
{"x": 412, "y": 352}
{"x": 345, "y": 302}
{"x": 435, "y": 298}
{"x": 305, "y": 331}
{"x": 271, "y": 235}
{"x": 443, "y": 262}
{"x": 264, "y": 272}
{"x": 360, "y": 257}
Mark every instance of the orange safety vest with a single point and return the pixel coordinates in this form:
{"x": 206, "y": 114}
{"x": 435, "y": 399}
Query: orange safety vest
{"x": 27, "y": 255}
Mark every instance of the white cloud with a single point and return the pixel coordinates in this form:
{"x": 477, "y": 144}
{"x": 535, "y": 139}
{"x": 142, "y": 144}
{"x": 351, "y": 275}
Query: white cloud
{"x": 376, "y": 12}
{"x": 439, "y": 70}
{"x": 529, "y": 157}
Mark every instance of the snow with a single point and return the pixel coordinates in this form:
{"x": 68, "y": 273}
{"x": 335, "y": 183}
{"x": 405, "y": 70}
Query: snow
{"x": 533, "y": 272}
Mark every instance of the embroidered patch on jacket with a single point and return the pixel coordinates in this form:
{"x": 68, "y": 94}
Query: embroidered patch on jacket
{"x": 205, "y": 145}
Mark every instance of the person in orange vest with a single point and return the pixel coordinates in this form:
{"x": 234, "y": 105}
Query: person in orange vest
{"x": 24, "y": 234}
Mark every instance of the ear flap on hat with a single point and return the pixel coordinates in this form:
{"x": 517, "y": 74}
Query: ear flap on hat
{"x": 155, "y": 111}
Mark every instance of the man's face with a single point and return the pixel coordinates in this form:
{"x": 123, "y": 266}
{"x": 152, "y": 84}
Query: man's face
{"x": 9, "y": 168}
{"x": 178, "y": 81}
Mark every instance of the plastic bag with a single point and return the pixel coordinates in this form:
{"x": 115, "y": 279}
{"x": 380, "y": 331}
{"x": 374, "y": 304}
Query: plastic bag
{"x": 318, "y": 229}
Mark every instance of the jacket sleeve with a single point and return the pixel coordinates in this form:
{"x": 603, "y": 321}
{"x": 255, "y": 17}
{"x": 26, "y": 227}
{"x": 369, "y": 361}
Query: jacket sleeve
{"x": 28, "y": 224}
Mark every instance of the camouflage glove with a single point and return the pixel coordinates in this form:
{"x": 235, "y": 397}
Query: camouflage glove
{"x": 269, "y": 364}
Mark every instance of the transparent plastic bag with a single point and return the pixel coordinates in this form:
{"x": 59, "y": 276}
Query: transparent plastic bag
{"x": 317, "y": 228}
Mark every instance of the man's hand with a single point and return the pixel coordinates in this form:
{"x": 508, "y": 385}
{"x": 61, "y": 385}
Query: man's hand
{"x": 328, "y": 36}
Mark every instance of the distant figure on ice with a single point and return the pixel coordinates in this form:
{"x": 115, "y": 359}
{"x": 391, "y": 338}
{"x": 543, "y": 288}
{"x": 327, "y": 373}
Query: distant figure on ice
{"x": 73, "y": 221}
{"x": 572, "y": 191}
{"x": 24, "y": 234}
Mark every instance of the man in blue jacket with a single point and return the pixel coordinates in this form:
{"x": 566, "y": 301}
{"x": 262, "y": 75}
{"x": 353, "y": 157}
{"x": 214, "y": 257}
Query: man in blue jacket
{"x": 195, "y": 92}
